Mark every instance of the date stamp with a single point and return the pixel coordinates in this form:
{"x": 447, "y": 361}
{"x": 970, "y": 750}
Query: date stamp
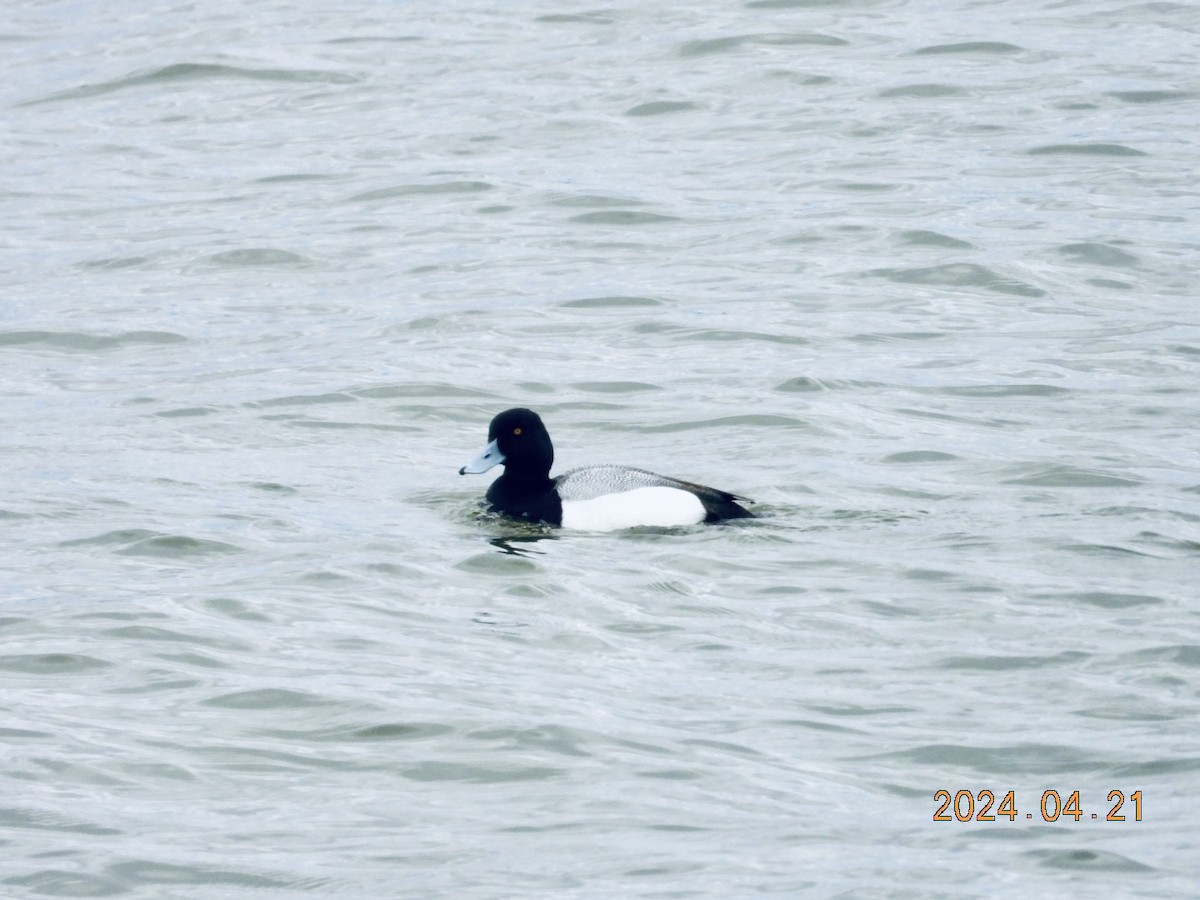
{"x": 978, "y": 806}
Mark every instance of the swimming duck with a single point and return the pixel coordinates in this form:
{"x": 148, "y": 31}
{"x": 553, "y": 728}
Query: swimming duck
{"x": 593, "y": 498}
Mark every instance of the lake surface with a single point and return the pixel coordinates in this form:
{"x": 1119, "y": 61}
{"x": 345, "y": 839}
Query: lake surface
{"x": 919, "y": 278}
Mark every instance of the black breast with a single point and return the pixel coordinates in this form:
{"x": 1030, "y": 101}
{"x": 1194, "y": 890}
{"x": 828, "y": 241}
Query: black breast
{"x": 522, "y": 499}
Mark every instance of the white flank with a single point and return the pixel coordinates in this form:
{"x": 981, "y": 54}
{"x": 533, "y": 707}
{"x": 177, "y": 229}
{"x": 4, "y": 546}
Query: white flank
{"x": 661, "y": 507}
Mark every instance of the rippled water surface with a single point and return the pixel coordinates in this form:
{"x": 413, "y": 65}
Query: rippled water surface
{"x": 920, "y": 278}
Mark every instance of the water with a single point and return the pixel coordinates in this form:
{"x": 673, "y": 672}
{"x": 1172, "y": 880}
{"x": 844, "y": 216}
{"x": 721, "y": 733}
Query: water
{"x": 919, "y": 278}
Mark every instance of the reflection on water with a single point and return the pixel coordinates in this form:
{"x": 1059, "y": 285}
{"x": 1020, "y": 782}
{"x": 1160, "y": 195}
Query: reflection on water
{"x": 510, "y": 544}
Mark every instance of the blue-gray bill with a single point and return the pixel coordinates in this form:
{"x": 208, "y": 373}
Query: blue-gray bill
{"x": 487, "y": 459}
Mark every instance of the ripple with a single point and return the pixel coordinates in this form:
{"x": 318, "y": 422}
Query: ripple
{"x": 792, "y": 340}
{"x": 920, "y": 238}
{"x": 899, "y": 336}
{"x": 1099, "y": 254}
{"x": 623, "y": 217}
{"x": 143, "y": 542}
{"x": 75, "y": 340}
{"x": 1152, "y": 768}
{"x": 987, "y": 48}
{"x": 1176, "y": 654}
{"x": 177, "y": 546}
{"x": 1072, "y": 476}
{"x": 136, "y": 872}
{"x": 1007, "y": 663}
{"x": 643, "y": 629}
{"x": 661, "y": 107}
{"x": 591, "y": 201}
{"x": 727, "y": 422}
{"x": 187, "y": 412}
{"x": 17, "y": 734}
{"x": 800, "y": 385}
{"x": 259, "y": 256}
{"x": 1124, "y": 711}
{"x": 505, "y": 563}
{"x": 1153, "y": 96}
{"x": 1087, "y": 860}
{"x": 1003, "y": 759}
{"x": 712, "y": 46}
{"x": 919, "y": 456}
{"x": 168, "y": 635}
{"x": 923, "y": 90}
{"x": 669, "y": 774}
{"x": 52, "y": 663}
{"x": 864, "y": 187}
{"x": 267, "y": 698}
{"x": 1111, "y": 600}
{"x": 960, "y": 275}
{"x": 556, "y": 739}
{"x": 1089, "y": 149}
{"x": 370, "y": 735}
{"x": 989, "y": 391}
{"x": 804, "y": 385}
{"x": 395, "y": 731}
{"x": 41, "y": 820}
{"x": 60, "y": 883}
{"x": 422, "y": 190}
{"x": 231, "y": 758}
{"x": 415, "y": 389}
{"x": 596, "y": 17}
{"x": 293, "y": 177}
{"x": 614, "y": 387}
{"x": 791, "y": 4}
{"x": 479, "y": 774}
{"x": 303, "y": 400}
{"x": 1110, "y": 551}
{"x": 116, "y": 262}
{"x": 616, "y": 302}
{"x": 201, "y": 72}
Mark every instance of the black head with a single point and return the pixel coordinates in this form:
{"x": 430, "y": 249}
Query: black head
{"x": 524, "y": 441}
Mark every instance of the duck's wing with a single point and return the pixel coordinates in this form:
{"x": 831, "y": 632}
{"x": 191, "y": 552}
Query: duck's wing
{"x": 590, "y": 482}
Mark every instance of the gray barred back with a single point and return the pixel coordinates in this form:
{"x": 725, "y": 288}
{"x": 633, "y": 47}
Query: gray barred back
{"x": 590, "y": 482}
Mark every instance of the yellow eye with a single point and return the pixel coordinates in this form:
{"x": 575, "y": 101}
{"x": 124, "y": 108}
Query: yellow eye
{"x": 516, "y": 431}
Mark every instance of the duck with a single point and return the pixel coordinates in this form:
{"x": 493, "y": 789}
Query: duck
{"x": 591, "y": 498}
